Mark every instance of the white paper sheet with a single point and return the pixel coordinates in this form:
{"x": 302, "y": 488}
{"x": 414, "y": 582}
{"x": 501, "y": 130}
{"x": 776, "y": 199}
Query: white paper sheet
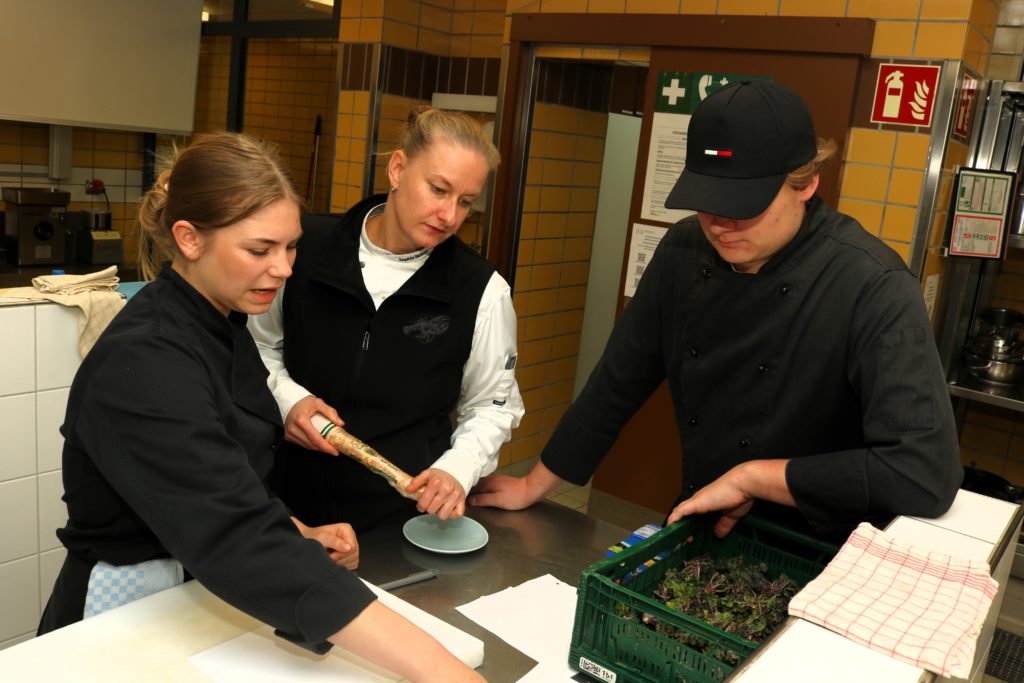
{"x": 261, "y": 657}
{"x": 535, "y": 617}
{"x": 547, "y": 673}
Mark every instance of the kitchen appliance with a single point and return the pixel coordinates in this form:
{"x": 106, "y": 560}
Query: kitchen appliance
{"x": 996, "y": 352}
{"x": 34, "y": 226}
{"x": 95, "y": 241}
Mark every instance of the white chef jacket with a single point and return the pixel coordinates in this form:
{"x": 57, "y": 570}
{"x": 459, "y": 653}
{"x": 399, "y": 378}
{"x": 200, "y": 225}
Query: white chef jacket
{"x": 488, "y": 408}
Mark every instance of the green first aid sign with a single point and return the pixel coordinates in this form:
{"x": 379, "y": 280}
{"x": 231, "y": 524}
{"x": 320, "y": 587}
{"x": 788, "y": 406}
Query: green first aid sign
{"x": 680, "y": 92}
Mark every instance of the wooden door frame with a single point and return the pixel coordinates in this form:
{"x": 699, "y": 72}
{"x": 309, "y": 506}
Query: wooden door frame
{"x": 820, "y": 35}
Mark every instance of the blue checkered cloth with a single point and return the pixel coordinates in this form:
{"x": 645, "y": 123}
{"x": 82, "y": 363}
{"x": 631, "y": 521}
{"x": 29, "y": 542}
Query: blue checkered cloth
{"x": 111, "y": 586}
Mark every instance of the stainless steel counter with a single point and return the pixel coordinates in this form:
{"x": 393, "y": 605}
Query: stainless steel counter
{"x": 545, "y": 539}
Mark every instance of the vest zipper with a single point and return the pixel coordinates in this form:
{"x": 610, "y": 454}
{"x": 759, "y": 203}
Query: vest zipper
{"x": 360, "y": 358}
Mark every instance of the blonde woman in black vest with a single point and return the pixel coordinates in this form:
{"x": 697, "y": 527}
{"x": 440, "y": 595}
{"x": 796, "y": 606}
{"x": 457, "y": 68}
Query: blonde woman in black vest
{"x": 170, "y": 431}
{"x": 392, "y": 326}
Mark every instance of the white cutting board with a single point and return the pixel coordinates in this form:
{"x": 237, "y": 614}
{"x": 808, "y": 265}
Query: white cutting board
{"x": 156, "y": 637}
{"x": 261, "y": 657}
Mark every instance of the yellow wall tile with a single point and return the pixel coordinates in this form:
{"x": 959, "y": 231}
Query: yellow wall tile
{"x": 557, "y": 172}
{"x": 563, "y": 119}
{"x": 812, "y": 8}
{"x": 560, "y": 146}
{"x": 905, "y": 187}
{"x": 898, "y": 223}
{"x": 884, "y": 9}
{"x": 371, "y": 30}
{"x": 488, "y": 23}
{"x": 956, "y": 154}
{"x": 399, "y": 34}
{"x": 462, "y": 23}
{"x": 528, "y": 225}
{"x": 590, "y": 149}
{"x": 893, "y": 38}
{"x": 748, "y": 7}
{"x": 544, "y": 276}
{"x": 639, "y": 54}
{"x": 601, "y": 54}
{"x": 435, "y": 43}
{"x": 652, "y": 6}
{"x": 435, "y": 19}
{"x": 348, "y": 30}
{"x": 554, "y": 199}
{"x": 868, "y": 214}
{"x": 864, "y": 182}
{"x": 407, "y": 11}
{"x": 485, "y": 46}
{"x": 984, "y": 14}
{"x": 460, "y": 46}
{"x": 564, "y": 6}
{"x": 586, "y": 174}
{"x": 592, "y": 123}
{"x": 559, "y": 52}
{"x": 870, "y": 146}
{"x": 912, "y": 150}
{"x": 583, "y": 199}
{"x": 940, "y": 40}
{"x": 548, "y": 250}
{"x": 977, "y": 50}
{"x": 580, "y": 225}
{"x": 551, "y": 225}
{"x": 697, "y": 6}
{"x": 946, "y": 9}
{"x": 574, "y": 273}
{"x": 616, "y": 6}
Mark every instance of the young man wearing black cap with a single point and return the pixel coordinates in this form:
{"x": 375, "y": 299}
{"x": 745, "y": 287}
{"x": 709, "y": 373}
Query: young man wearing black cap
{"x": 797, "y": 347}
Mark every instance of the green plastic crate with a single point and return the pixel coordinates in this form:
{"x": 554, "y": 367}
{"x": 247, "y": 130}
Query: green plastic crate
{"x": 611, "y": 648}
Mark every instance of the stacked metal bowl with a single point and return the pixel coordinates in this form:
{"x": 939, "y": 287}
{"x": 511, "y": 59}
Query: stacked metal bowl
{"x": 996, "y": 352}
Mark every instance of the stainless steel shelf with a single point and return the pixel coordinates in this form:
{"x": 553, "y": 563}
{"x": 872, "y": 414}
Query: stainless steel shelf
{"x": 965, "y": 385}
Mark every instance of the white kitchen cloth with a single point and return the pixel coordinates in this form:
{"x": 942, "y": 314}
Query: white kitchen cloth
{"x": 920, "y": 607}
{"x": 93, "y": 293}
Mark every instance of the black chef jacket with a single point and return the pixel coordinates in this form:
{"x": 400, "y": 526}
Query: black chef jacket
{"x": 825, "y": 356}
{"x": 169, "y": 435}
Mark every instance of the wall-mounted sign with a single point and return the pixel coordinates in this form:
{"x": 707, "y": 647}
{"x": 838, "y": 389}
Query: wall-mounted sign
{"x": 905, "y": 94}
{"x": 677, "y": 94}
{"x": 980, "y": 211}
{"x": 964, "y": 113}
{"x": 680, "y": 92}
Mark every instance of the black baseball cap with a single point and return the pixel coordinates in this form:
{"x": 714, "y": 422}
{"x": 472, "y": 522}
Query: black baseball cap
{"x": 742, "y": 142}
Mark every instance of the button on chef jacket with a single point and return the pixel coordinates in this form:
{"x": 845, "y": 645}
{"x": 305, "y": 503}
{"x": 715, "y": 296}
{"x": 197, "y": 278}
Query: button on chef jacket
{"x": 825, "y": 356}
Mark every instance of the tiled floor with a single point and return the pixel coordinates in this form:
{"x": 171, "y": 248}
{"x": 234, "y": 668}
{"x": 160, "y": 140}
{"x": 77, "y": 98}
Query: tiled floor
{"x": 611, "y": 509}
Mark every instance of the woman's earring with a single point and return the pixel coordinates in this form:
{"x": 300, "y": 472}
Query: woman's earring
{"x": 394, "y": 187}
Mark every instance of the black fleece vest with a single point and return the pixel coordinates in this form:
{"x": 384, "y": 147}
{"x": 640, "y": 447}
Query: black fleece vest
{"x": 394, "y": 374}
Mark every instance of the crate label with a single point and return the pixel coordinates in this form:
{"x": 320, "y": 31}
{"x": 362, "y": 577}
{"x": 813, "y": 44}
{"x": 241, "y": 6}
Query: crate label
{"x": 595, "y": 669}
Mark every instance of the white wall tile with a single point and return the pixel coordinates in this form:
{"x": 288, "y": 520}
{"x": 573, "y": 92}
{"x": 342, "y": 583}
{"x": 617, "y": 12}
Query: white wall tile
{"x": 50, "y": 563}
{"x": 50, "y": 407}
{"x": 56, "y": 345}
{"x": 18, "y": 427}
{"x": 17, "y": 349}
{"x": 53, "y": 513}
{"x": 19, "y": 595}
{"x": 19, "y": 531}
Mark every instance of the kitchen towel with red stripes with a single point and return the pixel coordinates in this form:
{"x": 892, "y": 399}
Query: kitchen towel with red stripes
{"x": 918, "y": 606}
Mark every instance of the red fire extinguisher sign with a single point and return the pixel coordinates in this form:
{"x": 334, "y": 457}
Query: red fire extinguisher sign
{"x": 905, "y": 94}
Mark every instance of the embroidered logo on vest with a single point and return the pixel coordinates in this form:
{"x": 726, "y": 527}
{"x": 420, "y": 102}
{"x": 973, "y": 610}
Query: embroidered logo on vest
{"x": 425, "y": 328}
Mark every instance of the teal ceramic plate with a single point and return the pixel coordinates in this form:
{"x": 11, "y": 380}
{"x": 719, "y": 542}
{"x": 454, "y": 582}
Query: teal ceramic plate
{"x": 450, "y": 536}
